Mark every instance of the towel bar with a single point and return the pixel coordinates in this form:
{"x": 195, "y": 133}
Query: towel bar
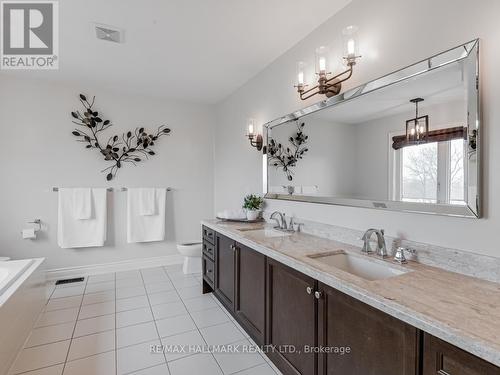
{"x": 125, "y": 189}
{"x": 57, "y": 189}
{"x": 109, "y": 189}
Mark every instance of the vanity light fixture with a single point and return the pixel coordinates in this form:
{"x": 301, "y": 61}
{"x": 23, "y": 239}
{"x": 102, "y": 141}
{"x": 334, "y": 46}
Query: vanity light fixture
{"x": 254, "y": 138}
{"x": 417, "y": 129}
{"x": 327, "y": 84}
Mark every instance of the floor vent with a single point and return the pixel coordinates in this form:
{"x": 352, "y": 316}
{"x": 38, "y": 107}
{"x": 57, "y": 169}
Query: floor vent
{"x": 68, "y": 281}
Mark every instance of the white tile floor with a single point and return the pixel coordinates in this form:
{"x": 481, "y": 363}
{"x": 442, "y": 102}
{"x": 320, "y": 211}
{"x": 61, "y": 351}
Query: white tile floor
{"x": 107, "y": 324}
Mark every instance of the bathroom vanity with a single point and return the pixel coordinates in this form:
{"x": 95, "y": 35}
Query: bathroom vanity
{"x": 313, "y": 317}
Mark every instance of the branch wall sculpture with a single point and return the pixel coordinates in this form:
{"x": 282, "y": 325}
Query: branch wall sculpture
{"x": 287, "y": 158}
{"x": 131, "y": 147}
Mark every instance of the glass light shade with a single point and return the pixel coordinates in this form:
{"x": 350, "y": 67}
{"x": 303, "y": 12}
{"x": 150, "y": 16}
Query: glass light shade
{"x": 322, "y": 60}
{"x": 301, "y": 73}
{"x": 351, "y": 42}
{"x": 250, "y": 127}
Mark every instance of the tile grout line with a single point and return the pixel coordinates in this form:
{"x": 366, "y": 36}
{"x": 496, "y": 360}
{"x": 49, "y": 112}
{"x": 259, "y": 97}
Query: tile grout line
{"x": 74, "y": 328}
{"x": 156, "y": 326}
{"x": 197, "y": 328}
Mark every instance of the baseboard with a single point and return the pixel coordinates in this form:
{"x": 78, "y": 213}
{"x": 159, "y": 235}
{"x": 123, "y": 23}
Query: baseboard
{"x": 96, "y": 269}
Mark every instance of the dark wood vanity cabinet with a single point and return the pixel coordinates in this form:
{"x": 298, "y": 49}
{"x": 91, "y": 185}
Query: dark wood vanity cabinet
{"x": 250, "y": 300}
{"x": 378, "y": 344}
{"x": 291, "y": 319}
{"x": 442, "y": 358}
{"x": 225, "y": 260}
{"x": 307, "y": 325}
{"x": 207, "y": 260}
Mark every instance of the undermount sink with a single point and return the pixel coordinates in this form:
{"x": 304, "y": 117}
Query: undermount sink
{"x": 360, "y": 266}
{"x": 266, "y": 232}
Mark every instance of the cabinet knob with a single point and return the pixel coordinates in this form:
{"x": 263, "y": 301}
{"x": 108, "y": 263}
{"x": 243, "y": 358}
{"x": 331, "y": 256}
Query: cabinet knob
{"x": 309, "y": 290}
{"x": 232, "y": 247}
{"x": 318, "y": 294}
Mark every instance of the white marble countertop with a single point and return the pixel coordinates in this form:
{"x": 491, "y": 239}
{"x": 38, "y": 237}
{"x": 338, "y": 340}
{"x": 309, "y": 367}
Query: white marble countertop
{"x": 459, "y": 309}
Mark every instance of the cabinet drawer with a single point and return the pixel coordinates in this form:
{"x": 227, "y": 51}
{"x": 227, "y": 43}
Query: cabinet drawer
{"x": 208, "y": 271}
{"x": 208, "y": 250}
{"x": 209, "y": 235}
{"x": 442, "y": 358}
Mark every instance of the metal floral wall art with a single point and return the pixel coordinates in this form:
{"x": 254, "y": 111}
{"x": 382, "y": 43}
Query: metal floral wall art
{"x": 287, "y": 157}
{"x": 131, "y": 147}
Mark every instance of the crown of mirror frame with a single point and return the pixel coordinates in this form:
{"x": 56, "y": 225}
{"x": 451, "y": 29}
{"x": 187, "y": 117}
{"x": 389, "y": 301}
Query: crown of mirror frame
{"x": 255, "y": 139}
{"x": 328, "y": 84}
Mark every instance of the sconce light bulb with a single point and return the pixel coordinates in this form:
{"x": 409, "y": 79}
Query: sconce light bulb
{"x": 351, "y": 50}
{"x": 250, "y": 129}
{"x": 322, "y": 65}
{"x": 300, "y": 78}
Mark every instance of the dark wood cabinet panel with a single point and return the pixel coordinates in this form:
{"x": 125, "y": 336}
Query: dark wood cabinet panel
{"x": 442, "y": 358}
{"x": 251, "y": 291}
{"x": 225, "y": 258}
{"x": 379, "y": 344}
{"x": 208, "y": 269}
{"x": 208, "y": 234}
{"x": 209, "y": 250}
{"x": 291, "y": 319}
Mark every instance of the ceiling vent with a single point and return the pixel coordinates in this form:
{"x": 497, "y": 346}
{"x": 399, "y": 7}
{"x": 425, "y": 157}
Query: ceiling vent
{"x": 109, "y": 33}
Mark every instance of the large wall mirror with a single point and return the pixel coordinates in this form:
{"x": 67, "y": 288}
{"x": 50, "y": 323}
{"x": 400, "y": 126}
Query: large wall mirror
{"x": 408, "y": 141}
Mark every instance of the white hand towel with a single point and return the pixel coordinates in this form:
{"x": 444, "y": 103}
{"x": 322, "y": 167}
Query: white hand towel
{"x": 147, "y": 202}
{"x": 72, "y": 232}
{"x": 145, "y": 228}
{"x": 82, "y": 203}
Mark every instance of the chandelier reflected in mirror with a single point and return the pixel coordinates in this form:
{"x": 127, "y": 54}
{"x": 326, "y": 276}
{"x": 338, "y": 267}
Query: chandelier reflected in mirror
{"x": 417, "y": 128}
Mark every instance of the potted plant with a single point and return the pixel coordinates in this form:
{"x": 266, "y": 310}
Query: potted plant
{"x": 252, "y": 204}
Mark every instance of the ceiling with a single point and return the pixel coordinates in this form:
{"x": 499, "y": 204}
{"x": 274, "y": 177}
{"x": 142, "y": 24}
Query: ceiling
{"x": 195, "y": 50}
{"x": 445, "y": 84}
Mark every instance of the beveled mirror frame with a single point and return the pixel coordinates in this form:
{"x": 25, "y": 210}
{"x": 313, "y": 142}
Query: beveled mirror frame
{"x": 472, "y": 208}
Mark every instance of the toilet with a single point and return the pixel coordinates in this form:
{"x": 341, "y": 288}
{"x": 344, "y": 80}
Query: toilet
{"x": 192, "y": 256}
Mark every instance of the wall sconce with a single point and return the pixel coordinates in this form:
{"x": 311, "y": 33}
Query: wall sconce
{"x": 329, "y": 85}
{"x": 417, "y": 128}
{"x": 254, "y": 138}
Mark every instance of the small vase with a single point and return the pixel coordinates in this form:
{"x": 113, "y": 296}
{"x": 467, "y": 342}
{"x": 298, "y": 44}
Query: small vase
{"x": 252, "y": 215}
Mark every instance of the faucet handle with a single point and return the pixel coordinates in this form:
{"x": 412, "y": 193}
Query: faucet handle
{"x": 399, "y": 256}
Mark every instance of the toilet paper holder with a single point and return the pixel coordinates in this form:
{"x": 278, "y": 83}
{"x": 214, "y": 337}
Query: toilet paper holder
{"x": 38, "y": 222}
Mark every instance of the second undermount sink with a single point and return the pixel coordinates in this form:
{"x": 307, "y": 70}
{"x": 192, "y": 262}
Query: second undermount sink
{"x": 360, "y": 266}
{"x": 266, "y": 232}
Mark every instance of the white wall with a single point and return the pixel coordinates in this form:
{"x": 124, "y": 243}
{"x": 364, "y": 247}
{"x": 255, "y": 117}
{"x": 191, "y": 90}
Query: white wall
{"x": 390, "y": 40}
{"x": 329, "y": 161}
{"x": 38, "y": 152}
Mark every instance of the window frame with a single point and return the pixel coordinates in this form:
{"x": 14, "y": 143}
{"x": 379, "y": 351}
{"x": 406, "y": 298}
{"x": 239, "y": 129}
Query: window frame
{"x": 443, "y": 171}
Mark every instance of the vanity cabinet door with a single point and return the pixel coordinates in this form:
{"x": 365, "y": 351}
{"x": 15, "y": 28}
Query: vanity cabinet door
{"x": 442, "y": 358}
{"x": 225, "y": 258}
{"x": 251, "y": 291}
{"x": 291, "y": 319}
{"x": 379, "y": 344}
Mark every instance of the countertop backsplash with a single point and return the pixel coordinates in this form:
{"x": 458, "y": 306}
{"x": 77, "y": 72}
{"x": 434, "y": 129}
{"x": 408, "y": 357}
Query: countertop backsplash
{"x": 454, "y": 260}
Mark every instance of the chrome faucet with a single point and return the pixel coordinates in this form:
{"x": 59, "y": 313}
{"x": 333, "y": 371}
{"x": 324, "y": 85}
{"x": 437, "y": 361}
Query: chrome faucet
{"x": 281, "y": 222}
{"x": 381, "y": 247}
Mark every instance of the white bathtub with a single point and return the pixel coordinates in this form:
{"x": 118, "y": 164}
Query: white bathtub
{"x": 11, "y": 271}
{"x": 22, "y": 297}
